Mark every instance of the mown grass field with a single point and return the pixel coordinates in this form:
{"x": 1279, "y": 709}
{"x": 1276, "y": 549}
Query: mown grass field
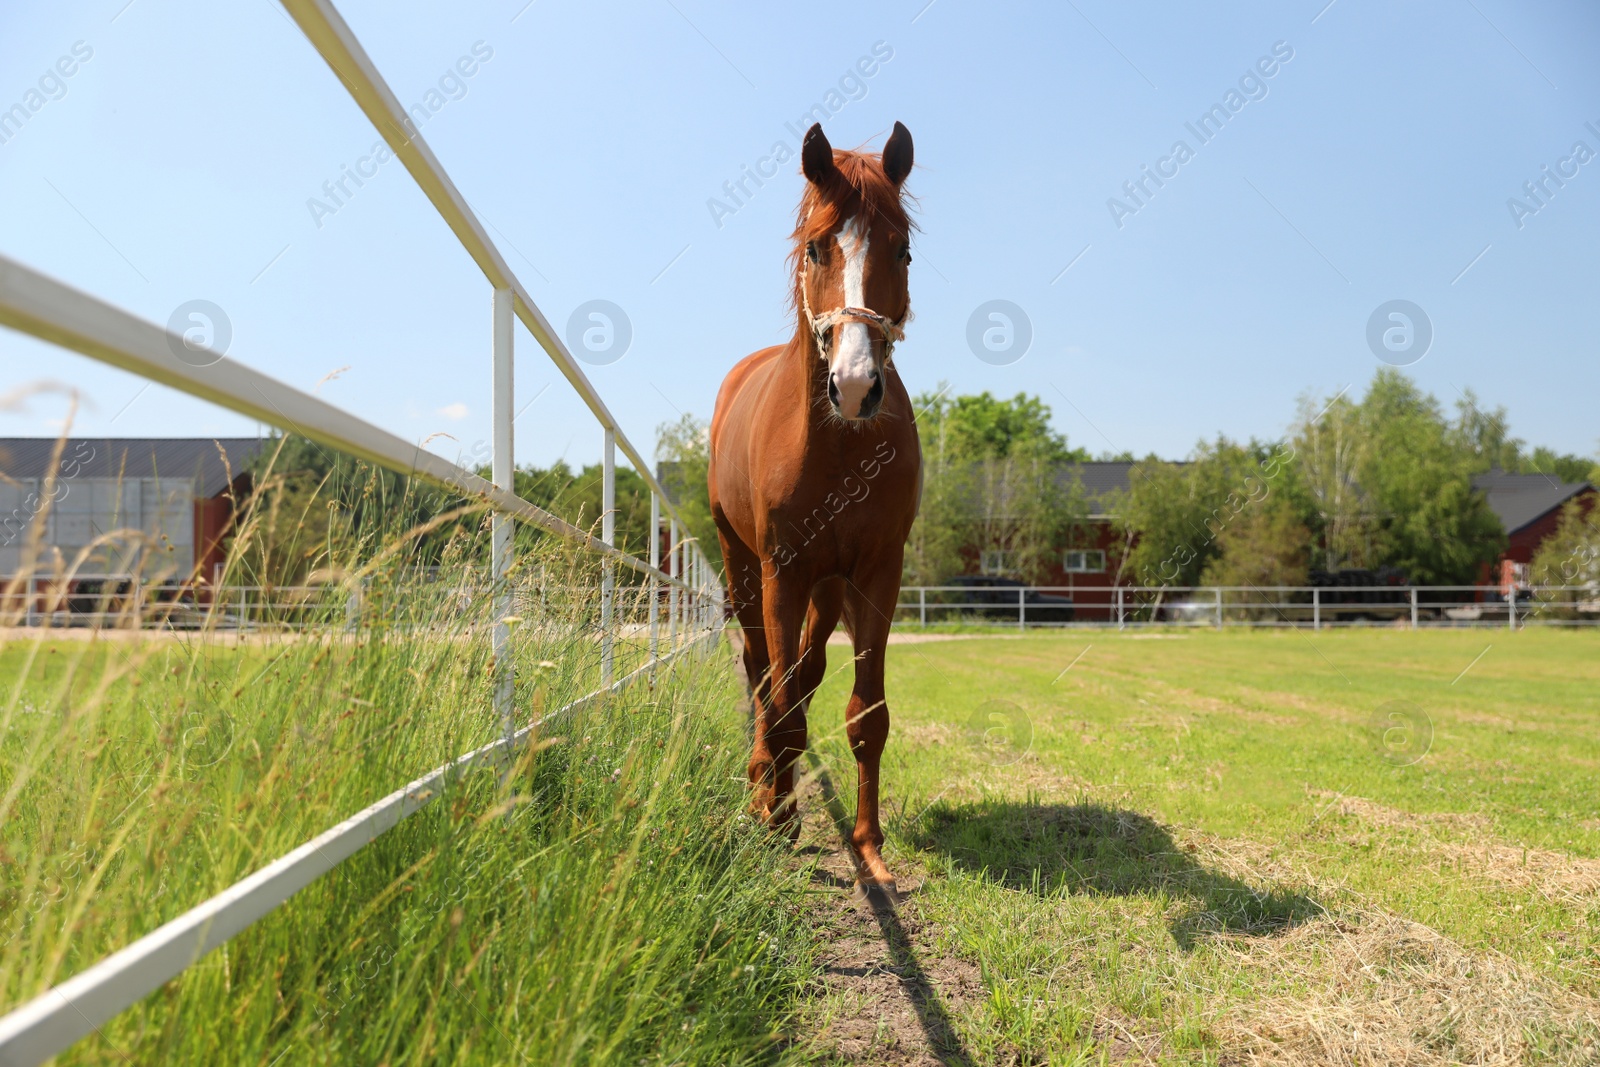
{"x": 1202, "y": 847}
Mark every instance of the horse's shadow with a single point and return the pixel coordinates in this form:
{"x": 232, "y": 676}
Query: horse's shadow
{"x": 1094, "y": 850}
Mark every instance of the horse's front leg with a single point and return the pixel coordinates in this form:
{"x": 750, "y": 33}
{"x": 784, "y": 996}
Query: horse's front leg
{"x": 781, "y": 737}
{"x": 868, "y": 611}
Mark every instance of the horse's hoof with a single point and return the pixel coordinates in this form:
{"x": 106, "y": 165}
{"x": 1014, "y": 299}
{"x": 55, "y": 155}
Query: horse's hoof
{"x": 876, "y": 894}
{"x": 788, "y": 827}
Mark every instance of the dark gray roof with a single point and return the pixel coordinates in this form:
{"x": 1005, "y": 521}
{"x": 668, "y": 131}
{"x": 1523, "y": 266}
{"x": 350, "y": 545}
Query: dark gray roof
{"x": 134, "y": 457}
{"x": 1519, "y": 499}
{"x": 1100, "y": 480}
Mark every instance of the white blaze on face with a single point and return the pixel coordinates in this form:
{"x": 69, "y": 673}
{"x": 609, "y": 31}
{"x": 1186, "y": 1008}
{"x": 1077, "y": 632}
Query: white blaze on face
{"x": 851, "y": 363}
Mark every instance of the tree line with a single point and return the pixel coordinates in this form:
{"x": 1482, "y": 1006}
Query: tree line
{"x": 1383, "y": 480}
{"x": 1379, "y": 481}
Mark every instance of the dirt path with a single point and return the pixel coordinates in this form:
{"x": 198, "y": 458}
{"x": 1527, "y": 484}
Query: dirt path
{"x": 887, "y": 996}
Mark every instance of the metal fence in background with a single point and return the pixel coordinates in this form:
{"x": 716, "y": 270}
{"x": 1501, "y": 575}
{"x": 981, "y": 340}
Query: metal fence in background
{"x": 120, "y": 601}
{"x": 1311, "y": 607}
{"x": 48, "y": 309}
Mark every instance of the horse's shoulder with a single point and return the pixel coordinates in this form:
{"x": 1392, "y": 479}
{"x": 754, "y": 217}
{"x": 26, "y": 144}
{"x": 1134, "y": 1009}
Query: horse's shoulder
{"x": 737, "y": 379}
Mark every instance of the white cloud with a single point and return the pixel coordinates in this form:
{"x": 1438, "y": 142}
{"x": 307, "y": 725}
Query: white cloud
{"x": 458, "y": 410}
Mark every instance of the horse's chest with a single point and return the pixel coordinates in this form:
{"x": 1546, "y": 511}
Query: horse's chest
{"x": 835, "y": 510}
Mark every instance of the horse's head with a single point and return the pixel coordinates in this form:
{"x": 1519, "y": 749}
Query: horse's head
{"x": 853, "y": 248}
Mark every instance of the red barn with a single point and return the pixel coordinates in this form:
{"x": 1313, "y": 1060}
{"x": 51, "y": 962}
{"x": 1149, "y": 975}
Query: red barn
{"x": 1529, "y": 507}
{"x": 1089, "y": 572}
{"x": 1086, "y": 572}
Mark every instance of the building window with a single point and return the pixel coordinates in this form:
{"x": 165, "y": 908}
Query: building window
{"x": 996, "y": 562}
{"x": 1084, "y": 561}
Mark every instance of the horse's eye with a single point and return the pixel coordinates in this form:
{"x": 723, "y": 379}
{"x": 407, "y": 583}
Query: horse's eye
{"x": 905, "y": 253}
{"x": 811, "y": 251}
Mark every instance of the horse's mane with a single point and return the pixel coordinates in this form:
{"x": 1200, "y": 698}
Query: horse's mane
{"x": 859, "y": 186}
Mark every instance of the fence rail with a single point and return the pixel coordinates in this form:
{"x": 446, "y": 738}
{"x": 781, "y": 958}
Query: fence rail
{"x": 125, "y": 601}
{"x": 53, "y": 311}
{"x": 1315, "y": 607}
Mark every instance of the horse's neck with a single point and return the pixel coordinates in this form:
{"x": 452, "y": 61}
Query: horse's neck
{"x": 802, "y": 377}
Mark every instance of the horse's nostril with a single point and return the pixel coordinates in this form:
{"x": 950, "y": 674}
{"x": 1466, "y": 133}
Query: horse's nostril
{"x": 833, "y": 390}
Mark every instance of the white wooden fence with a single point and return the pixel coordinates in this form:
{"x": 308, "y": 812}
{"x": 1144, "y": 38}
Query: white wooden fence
{"x": 1311, "y": 607}
{"x": 48, "y": 309}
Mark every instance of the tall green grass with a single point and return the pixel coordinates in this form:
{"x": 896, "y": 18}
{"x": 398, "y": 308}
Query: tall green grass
{"x": 605, "y": 901}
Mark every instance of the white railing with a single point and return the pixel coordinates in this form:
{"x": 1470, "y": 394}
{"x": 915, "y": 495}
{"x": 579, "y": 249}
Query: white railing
{"x": 1314, "y": 607}
{"x": 126, "y": 601}
{"x": 48, "y": 309}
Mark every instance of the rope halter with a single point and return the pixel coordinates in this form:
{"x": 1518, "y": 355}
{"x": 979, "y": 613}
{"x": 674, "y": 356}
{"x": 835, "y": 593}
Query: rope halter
{"x": 893, "y": 330}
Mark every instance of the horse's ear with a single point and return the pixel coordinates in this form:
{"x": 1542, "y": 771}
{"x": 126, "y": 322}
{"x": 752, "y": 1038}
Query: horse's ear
{"x": 816, "y": 156}
{"x": 897, "y": 154}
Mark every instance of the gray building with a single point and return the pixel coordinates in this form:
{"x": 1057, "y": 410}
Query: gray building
{"x": 157, "y": 507}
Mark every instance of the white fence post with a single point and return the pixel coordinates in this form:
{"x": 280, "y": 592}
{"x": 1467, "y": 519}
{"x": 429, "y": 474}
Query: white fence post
{"x": 1219, "y": 607}
{"x": 922, "y": 605}
{"x": 654, "y": 584}
{"x": 1413, "y": 607}
{"x": 608, "y": 534}
{"x": 691, "y": 610}
{"x": 1316, "y": 609}
{"x": 1121, "y": 618}
{"x": 674, "y": 568}
{"x": 501, "y": 525}
{"x": 1511, "y": 607}
{"x": 1022, "y": 609}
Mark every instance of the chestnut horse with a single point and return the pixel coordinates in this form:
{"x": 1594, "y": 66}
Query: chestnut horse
{"x": 815, "y": 476}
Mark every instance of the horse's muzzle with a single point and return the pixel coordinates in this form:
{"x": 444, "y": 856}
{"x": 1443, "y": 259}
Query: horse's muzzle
{"x": 847, "y": 398}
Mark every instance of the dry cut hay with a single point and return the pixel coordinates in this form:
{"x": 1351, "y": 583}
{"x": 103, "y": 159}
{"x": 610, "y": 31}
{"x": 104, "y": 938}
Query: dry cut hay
{"x": 1379, "y": 989}
{"x": 1556, "y": 875}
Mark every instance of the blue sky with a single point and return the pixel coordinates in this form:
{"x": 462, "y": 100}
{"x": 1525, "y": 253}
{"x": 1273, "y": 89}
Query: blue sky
{"x": 180, "y": 159}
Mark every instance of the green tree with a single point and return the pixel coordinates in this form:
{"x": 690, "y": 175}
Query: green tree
{"x": 1174, "y": 515}
{"x": 576, "y": 496}
{"x": 1571, "y": 555}
{"x": 1400, "y": 491}
{"x": 684, "y": 449}
{"x": 315, "y": 512}
{"x": 1563, "y": 466}
{"x": 1268, "y": 545}
{"x": 1023, "y": 509}
{"x": 1332, "y": 449}
{"x": 987, "y": 427}
{"x": 1487, "y": 436}
{"x": 944, "y": 512}
{"x": 991, "y": 482}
